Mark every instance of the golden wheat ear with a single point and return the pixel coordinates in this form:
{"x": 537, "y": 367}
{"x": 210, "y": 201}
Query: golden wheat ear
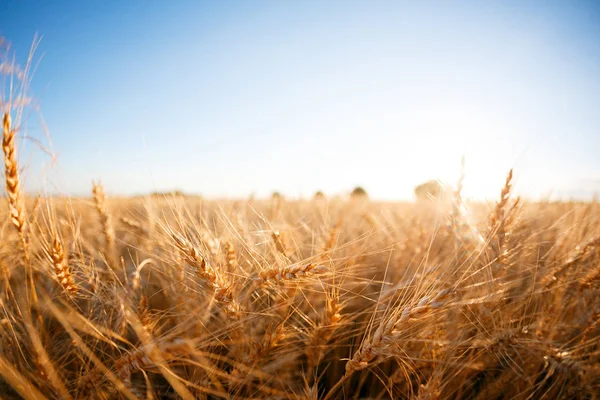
{"x": 498, "y": 219}
{"x": 13, "y": 183}
{"x": 62, "y": 270}
{"x": 498, "y": 216}
{"x": 210, "y": 275}
{"x": 106, "y": 220}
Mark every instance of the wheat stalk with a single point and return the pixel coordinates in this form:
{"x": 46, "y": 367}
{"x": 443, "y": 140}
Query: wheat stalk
{"x": 105, "y": 219}
{"x": 323, "y": 332}
{"x": 15, "y": 199}
{"x": 279, "y": 242}
{"x": 498, "y": 223}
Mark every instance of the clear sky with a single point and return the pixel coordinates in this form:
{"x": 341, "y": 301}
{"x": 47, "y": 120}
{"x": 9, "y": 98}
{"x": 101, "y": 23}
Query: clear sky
{"x": 228, "y": 98}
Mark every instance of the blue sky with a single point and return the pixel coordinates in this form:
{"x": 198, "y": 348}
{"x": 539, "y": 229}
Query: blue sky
{"x": 228, "y": 98}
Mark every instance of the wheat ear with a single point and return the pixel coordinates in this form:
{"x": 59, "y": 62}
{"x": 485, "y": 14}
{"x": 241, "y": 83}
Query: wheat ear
{"x": 498, "y": 218}
{"x": 61, "y": 267}
{"x": 211, "y": 276}
{"x": 387, "y": 333}
{"x": 13, "y": 184}
{"x": 109, "y": 233}
{"x": 323, "y": 332}
{"x": 290, "y": 272}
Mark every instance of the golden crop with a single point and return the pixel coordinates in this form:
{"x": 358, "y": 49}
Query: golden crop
{"x": 175, "y": 297}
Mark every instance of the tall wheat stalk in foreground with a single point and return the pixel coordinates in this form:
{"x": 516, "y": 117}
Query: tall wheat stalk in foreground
{"x": 16, "y": 202}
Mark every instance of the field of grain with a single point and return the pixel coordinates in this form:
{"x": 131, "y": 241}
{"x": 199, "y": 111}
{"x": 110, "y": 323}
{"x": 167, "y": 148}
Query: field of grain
{"x": 168, "y": 296}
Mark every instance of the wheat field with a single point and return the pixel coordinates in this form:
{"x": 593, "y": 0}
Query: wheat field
{"x": 172, "y": 296}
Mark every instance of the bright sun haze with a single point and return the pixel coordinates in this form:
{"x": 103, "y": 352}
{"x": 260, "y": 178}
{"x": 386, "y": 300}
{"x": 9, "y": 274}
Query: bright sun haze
{"x": 229, "y": 98}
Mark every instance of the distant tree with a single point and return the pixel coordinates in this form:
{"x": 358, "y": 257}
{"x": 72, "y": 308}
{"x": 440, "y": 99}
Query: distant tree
{"x": 359, "y": 193}
{"x": 431, "y": 188}
{"x": 319, "y": 196}
{"x": 276, "y": 196}
{"x": 173, "y": 193}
